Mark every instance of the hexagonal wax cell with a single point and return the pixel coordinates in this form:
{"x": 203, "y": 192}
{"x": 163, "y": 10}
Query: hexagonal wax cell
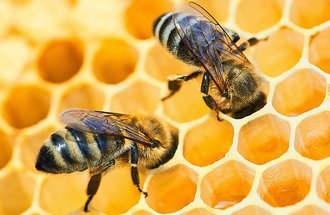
{"x": 60, "y": 60}
{"x": 227, "y": 185}
{"x": 313, "y": 135}
{"x": 26, "y": 105}
{"x": 178, "y": 181}
{"x": 285, "y": 183}
{"x": 264, "y": 139}
{"x": 300, "y": 92}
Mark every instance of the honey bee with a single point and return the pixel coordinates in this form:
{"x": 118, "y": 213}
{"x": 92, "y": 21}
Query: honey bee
{"x": 98, "y": 140}
{"x": 229, "y": 83}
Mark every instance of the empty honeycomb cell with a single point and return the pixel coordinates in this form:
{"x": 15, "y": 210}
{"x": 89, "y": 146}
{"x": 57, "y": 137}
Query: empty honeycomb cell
{"x": 14, "y": 54}
{"x": 208, "y": 142}
{"x": 300, "y": 92}
{"x": 309, "y": 13}
{"x": 198, "y": 211}
{"x": 160, "y": 64}
{"x": 313, "y": 135}
{"x": 114, "y": 60}
{"x": 264, "y": 139}
{"x": 41, "y": 20}
{"x": 18, "y": 186}
{"x": 178, "y": 181}
{"x": 140, "y": 15}
{"x": 251, "y": 209}
{"x": 6, "y": 148}
{"x": 187, "y": 104}
{"x": 280, "y": 52}
{"x": 323, "y": 184}
{"x": 31, "y": 144}
{"x": 139, "y": 95}
{"x": 60, "y": 60}
{"x": 269, "y": 13}
{"x": 64, "y": 193}
{"x": 320, "y": 50}
{"x": 83, "y": 96}
{"x": 117, "y": 193}
{"x": 311, "y": 210}
{"x": 34, "y": 102}
{"x": 227, "y": 185}
{"x": 285, "y": 183}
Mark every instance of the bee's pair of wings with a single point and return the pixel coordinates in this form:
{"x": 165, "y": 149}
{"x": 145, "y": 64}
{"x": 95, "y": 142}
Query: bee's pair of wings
{"x": 107, "y": 123}
{"x": 208, "y": 42}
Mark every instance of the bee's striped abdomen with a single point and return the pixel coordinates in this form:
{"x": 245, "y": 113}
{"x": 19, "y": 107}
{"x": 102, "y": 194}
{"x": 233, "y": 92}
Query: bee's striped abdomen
{"x": 165, "y": 30}
{"x": 69, "y": 150}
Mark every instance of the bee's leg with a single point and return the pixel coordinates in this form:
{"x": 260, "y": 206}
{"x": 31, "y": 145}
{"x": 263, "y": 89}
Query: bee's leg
{"x": 209, "y": 101}
{"x": 235, "y": 37}
{"x": 175, "y": 82}
{"x": 95, "y": 180}
{"x": 93, "y": 186}
{"x": 250, "y": 42}
{"x": 134, "y": 169}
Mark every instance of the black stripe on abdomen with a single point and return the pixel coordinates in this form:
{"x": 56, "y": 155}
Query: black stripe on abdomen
{"x": 82, "y": 143}
{"x": 46, "y": 161}
{"x": 70, "y": 153}
{"x": 184, "y": 54}
{"x": 62, "y": 148}
{"x": 102, "y": 142}
{"x": 173, "y": 41}
{"x": 164, "y": 25}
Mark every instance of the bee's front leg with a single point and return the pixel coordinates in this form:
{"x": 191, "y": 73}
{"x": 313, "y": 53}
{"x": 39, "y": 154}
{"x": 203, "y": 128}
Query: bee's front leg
{"x": 175, "y": 82}
{"x": 208, "y": 99}
{"x": 134, "y": 169}
{"x": 250, "y": 42}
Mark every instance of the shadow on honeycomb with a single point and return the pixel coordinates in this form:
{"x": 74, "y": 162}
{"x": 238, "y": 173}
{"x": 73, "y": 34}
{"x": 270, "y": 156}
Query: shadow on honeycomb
{"x": 101, "y": 55}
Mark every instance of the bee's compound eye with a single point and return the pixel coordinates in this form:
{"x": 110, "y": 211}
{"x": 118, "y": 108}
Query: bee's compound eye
{"x": 154, "y": 143}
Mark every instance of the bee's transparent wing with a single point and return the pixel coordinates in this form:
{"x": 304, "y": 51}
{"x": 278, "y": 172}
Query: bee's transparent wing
{"x": 225, "y": 45}
{"x": 208, "y": 41}
{"x": 100, "y": 122}
{"x": 201, "y": 39}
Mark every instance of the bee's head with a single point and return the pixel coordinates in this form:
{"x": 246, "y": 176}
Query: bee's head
{"x": 166, "y": 149}
{"x": 163, "y": 144}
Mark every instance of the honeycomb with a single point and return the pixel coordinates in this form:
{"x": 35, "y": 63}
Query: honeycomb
{"x": 101, "y": 55}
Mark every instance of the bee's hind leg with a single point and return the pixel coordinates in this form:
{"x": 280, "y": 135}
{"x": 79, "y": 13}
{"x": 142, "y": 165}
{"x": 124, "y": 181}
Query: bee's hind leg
{"x": 175, "y": 82}
{"x": 93, "y": 186}
{"x": 134, "y": 169}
